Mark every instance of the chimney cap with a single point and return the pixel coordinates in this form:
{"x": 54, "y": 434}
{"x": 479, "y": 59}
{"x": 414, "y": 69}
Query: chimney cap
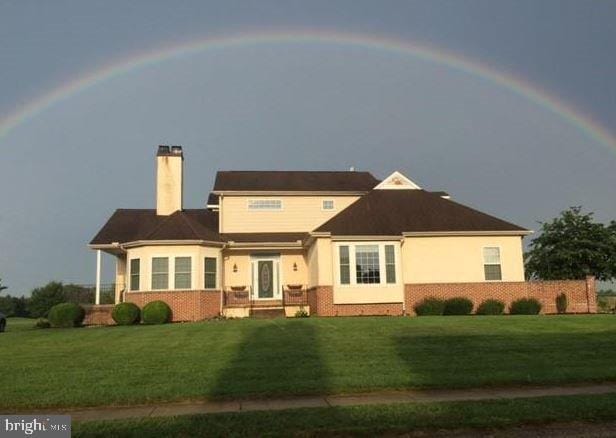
{"x": 167, "y": 151}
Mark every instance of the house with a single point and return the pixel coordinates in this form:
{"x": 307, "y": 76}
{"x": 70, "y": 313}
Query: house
{"x": 331, "y": 243}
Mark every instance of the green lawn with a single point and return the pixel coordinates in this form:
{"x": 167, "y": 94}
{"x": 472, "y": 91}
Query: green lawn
{"x": 365, "y": 420}
{"x": 244, "y": 358}
{"x": 19, "y": 324}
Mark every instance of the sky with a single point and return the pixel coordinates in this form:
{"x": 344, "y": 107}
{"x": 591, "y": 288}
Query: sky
{"x": 319, "y": 103}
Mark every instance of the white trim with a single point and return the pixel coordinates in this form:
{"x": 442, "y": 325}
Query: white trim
{"x": 465, "y": 233}
{"x": 265, "y": 245}
{"x": 397, "y": 181}
{"x": 138, "y": 243}
{"x": 97, "y": 297}
{"x": 396, "y": 238}
{"x": 289, "y": 193}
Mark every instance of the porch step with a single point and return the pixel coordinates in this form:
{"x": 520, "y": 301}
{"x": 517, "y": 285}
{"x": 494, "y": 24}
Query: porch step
{"x": 267, "y": 312}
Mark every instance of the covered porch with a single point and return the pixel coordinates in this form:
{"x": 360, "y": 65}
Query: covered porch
{"x": 265, "y": 278}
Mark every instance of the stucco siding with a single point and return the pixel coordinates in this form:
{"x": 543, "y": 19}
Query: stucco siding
{"x": 459, "y": 259}
{"x": 242, "y": 261}
{"x": 298, "y": 213}
{"x": 169, "y": 184}
{"x": 325, "y": 262}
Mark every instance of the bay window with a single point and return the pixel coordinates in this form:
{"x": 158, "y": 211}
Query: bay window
{"x": 374, "y": 264}
{"x": 160, "y": 273}
{"x": 183, "y": 272}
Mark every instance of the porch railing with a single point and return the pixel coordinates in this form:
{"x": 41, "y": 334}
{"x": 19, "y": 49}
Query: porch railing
{"x": 237, "y": 298}
{"x": 295, "y": 296}
{"x": 85, "y": 293}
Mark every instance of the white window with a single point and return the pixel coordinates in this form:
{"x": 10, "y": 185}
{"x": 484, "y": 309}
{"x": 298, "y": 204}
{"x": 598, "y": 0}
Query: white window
{"x": 264, "y": 204}
{"x": 345, "y": 265}
{"x": 210, "y": 273}
{"x": 373, "y": 264}
{"x": 367, "y": 266}
{"x": 328, "y": 204}
{"x": 390, "y": 264}
{"x": 160, "y": 273}
{"x": 492, "y": 263}
{"x": 183, "y": 272}
{"x": 135, "y": 269}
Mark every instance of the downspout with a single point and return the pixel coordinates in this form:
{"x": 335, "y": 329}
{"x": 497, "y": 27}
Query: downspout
{"x": 402, "y": 279}
{"x": 222, "y": 278}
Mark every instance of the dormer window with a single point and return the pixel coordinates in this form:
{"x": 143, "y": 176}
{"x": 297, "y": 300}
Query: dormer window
{"x": 264, "y": 204}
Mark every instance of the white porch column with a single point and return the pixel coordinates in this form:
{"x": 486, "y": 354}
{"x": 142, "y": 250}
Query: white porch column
{"x": 97, "y": 299}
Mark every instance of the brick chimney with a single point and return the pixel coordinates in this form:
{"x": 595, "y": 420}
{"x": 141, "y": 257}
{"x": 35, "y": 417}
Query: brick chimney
{"x": 169, "y": 179}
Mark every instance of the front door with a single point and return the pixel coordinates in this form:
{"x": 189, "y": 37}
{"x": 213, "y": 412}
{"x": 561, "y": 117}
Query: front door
{"x": 265, "y": 277}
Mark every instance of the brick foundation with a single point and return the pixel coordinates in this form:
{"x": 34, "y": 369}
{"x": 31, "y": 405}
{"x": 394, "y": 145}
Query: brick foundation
{"x": 321, "y": 302}
{"x": 581, "y": 296}
{"x": 99, "y": 315}
{"x": 191, "y": 305}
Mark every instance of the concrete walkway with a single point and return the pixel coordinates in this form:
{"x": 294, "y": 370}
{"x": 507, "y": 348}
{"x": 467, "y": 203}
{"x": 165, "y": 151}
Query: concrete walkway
{"x": 372, "y": 398}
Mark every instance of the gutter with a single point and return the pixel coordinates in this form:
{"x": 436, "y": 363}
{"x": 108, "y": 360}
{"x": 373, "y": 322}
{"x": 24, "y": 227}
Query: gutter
{"x": 466, "y": 233}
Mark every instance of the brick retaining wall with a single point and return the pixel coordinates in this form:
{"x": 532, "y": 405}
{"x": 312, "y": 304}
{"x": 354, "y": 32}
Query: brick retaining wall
{"x": 581, "y": 295}
{"x": 190, "y": 305}
{"x": 321, "y": 299}
{"x": 99, "y": 315}
{"x": 199, "y": 305}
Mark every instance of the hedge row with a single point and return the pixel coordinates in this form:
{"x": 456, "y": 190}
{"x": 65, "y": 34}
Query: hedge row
{"x": 464, "y": 306}
{"x": 156, "y": 312}
{"x": 65, "y": 315}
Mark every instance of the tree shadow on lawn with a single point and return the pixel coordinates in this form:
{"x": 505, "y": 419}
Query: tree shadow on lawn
{"x": 499, "y": 360}
{"x": 275, "y": 358}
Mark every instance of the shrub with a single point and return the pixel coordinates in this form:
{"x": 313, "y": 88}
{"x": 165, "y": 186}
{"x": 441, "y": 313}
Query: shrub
{"x": 491, "y": 307}
{"x": 301, "y": 313}
{"x": 561, "y": 303}
{"x": 458, "y": 306}
{"x": 126, "y": 314}
{"x": 66, "y": 315}
{"x": 156, "y": 312}
{"x": 42, "y": 323}
{"x": 429, "y": 306}
{"x": 525, "y": 306}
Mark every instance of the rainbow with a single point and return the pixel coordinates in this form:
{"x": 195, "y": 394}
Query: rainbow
{"x": 438, "y": 56}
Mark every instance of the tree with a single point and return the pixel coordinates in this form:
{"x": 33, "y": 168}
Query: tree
{"x": 573, "y": 246}
{"x": 14, "y": 306}
{"x": 2, "y": 287}
{"x": 44, "y": 298}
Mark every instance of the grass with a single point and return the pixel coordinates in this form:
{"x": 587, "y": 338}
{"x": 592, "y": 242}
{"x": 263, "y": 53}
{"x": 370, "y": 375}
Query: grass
{"x": 246, "y": 358}
{"x": 14, "y": 324}
{"x": 365, "y": 420}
